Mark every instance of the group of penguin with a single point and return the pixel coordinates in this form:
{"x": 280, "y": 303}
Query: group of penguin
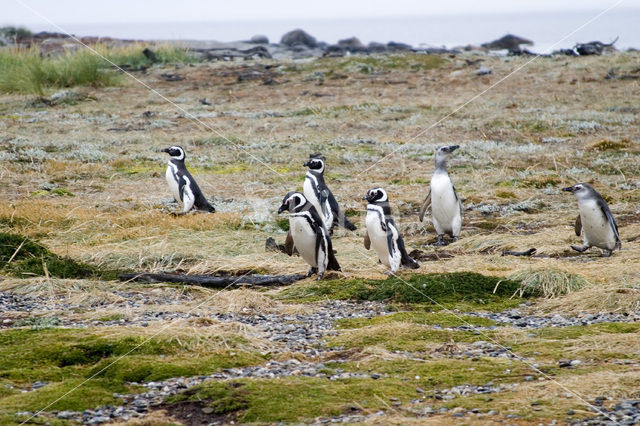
{"x": 314, "y": 213}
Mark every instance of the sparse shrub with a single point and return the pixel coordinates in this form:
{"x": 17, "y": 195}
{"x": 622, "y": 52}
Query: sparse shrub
{"x": 547, "y": 282}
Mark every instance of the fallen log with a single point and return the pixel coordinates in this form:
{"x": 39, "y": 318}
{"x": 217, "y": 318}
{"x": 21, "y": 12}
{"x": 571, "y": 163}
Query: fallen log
{"x": 214, "y": 281}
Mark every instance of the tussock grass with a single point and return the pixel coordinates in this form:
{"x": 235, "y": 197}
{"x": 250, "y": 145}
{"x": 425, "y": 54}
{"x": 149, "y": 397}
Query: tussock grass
{"x": 27, "y": 71}
{"x": 547, "y": 282}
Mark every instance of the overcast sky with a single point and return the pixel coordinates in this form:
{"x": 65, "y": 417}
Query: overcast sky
{"x": 124, "y": 11}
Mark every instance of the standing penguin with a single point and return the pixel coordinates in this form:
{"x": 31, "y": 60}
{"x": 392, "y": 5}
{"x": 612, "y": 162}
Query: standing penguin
{"x": 382, "y": 233}
{"x": 595, "y": 222}
{"x": 446, "y": 207}
{"x": 318, "y": 194}
{"x": 182, "y": 185}
{"x": 309, "y": 235}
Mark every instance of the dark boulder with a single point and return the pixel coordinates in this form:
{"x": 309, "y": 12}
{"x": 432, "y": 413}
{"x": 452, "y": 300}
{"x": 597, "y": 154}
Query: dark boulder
{"x": 259, "y": 39}
{"x": 509, "y": 42}
{"x": 398, "y": 47}
{"x": 352, "y": 42}
{"x": 298, "y": 37}
{"x": 594, "y": 47}
{"x": 376, "y": 47}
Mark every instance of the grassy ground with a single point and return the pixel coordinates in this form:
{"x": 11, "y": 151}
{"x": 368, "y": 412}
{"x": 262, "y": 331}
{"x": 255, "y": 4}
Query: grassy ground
{"x": 86, "y": 179}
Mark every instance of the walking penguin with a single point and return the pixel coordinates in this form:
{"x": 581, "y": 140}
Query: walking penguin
{"x": 382, "y": 233}
{"x": 318, "y": 194}
{"x": 182, "y": 185}
{"x": 309, "y": 235}
{"x": 595, "y": 222}
{"x": 446, "y": 207}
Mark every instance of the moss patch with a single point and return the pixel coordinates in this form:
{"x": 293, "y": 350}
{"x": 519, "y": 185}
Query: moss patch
{"x": 65, "y": 357}
{"x": 21, "y": 256}
{"x": 462, "y": 290}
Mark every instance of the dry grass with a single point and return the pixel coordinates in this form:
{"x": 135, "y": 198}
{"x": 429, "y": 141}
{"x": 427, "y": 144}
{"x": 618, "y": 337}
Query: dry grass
{"x": 555, "y": 123}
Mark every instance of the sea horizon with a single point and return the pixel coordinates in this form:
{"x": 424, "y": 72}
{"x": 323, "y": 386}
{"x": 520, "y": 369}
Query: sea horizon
{"x": 545, "y": 29}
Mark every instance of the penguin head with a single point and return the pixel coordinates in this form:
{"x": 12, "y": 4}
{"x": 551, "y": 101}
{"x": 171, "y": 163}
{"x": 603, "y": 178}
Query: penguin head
{"x": 315, "y": 163}
{"x": 176, "y": 152}
{"x": 293, "y": 201}
{"x": 443, "y": 152}
{"x": 580, "y": 190}
{"x": 376, "y": 195}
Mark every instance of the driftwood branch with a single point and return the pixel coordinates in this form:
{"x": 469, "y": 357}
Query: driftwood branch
{"x": 213, "y": 281}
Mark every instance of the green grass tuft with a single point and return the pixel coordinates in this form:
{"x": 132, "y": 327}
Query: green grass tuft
{"x": 547, "y": 282}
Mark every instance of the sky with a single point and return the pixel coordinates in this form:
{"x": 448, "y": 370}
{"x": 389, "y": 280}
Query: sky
{"x": 14, "y": 12}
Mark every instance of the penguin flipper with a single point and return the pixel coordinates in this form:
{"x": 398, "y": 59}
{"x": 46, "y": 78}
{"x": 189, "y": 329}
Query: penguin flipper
{"x": 614, "y": 226}
{"x": 425, "y": 205}
{"x": 457, "y": 198}
{"x": 578, "y": 226}
{"x": 367, "y": 240}
{"x": 393, "y": 240}
{"x": 288, "y": 244}
{"x": 188, "y": 198}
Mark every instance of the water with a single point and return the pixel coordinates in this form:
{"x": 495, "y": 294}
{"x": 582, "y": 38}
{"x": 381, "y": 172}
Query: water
{"x": 546, "y": 29}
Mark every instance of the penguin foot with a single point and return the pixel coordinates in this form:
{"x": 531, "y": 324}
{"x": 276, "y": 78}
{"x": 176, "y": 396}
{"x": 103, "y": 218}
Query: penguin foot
{"x": 454, "y": 239}
{"x": 312, "y": 271}
{"x": 389, "y": 272}
{"x": 606, "y": 253}
{"x": 441, "y": 242}
{"x": 580, "y": 249}
{"x": 320, "y": 275}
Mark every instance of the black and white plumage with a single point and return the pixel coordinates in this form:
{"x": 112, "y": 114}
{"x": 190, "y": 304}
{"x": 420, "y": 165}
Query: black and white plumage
{"x": 182, "y": 185}
{"x": 383, "y": 234}
{"x": 595, "y": 222}
{"x": 309, "y": 235}
{"x": 318, "y": 194}
{"x": 446, "y": 207}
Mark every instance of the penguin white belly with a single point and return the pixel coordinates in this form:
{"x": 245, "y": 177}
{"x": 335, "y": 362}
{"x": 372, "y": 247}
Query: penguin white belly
{"x": 378, "y": 237}
{"x": 304, "y": 239}
{"x": 597, "y": 230}
{"x": 172, "y": 182}
{"x": 444, "y": 206}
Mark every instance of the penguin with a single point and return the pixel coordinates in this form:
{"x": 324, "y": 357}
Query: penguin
{"x": 595, "y": 222}
{"x": 309, "y": 235}
{"x": 318, "y": 194}
{"x": 446, "y": 207}
{"x": 382, "y": 233}
{"x": 182, "y": 185}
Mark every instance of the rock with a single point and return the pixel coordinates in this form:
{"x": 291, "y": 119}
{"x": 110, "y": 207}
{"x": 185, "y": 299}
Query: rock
{"x": 398, "y": 47}
{"x": 298, "y": 37}
{"x": 377, "y": 47}
{"x": 508, "y": 42}
{"x": 594, "y": 47}
{"x": 259, "y": 39}
{"x": 207, "y": 410}
{"x": 351, "y": 42}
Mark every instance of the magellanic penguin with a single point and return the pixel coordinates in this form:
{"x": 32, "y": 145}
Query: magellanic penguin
{"x": 309, "y": 235}
{"x": 318, "y": 194}
{"x": 382, "y": 233}
{"x": 182, "y": 185}
{"x": 595, "y": 222}
{"x": 446, "y": 207}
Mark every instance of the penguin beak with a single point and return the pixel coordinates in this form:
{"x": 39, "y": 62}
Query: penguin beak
{"x": 453, "y": 148}
{"x": 306, "y": 164}
{"x": 165, "y": 150}
{"x": 283, "y": 207}
{"x": 568, "y": 189}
